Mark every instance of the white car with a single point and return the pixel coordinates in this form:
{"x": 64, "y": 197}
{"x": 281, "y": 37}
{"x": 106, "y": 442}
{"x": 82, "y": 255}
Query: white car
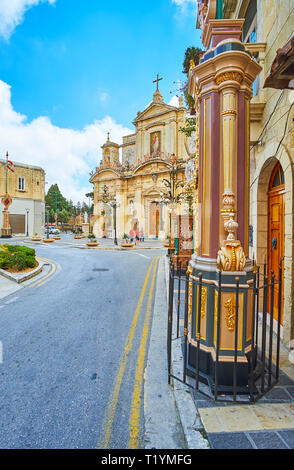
{"x": 54, "y": 230}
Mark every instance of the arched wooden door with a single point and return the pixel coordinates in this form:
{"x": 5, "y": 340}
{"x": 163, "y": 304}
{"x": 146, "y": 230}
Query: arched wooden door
{"x": 154, "y": 219}
{"x": 276, "y": 229}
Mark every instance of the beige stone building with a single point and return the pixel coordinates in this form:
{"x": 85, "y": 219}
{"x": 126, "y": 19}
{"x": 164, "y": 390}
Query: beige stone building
{"x": 26, "y": 187}
{"x": 268, "y": 27}
{"x": 136, "y": 177}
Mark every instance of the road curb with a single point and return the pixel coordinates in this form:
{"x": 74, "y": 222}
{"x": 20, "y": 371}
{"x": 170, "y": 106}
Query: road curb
{"x": 20, "y": 278}
{"x": 190, "y": 419}
{"x": 162, "y": 428}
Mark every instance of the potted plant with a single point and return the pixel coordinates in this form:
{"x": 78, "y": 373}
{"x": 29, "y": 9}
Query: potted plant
{"x": 167, "y": 242}
{"x": 126, "y": 243}
{"x": 92, "y": 240}
{"x": 48, "y": 240}
{"x": 78, "y": 235}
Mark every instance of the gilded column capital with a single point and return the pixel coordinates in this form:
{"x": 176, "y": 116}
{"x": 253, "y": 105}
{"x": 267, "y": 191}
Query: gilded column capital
{"x": 231, "y": 75}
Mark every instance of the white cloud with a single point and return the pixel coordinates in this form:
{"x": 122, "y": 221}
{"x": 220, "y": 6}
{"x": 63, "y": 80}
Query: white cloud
{"x": 182, "y": 2}
{"x": 66, "y": 155}
{"x": 12, "y": 14}
{"x": 185, "y": 7}
{"x": 174, "y": 101}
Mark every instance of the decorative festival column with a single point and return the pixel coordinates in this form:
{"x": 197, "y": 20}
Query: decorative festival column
{"x": 222, "y": 86}
{"x": 6, "y": 231}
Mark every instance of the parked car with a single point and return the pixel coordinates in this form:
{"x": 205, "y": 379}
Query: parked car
{"x": 52, "y": 230}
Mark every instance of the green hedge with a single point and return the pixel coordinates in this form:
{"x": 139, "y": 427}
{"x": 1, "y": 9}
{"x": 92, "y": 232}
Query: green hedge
{"x": 17, "y": 257}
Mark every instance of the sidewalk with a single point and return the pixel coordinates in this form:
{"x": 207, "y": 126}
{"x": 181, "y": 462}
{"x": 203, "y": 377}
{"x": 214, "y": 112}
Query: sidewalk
{"x": 171, "y": 419}
{"x": 68, "y": 241}
{"x": 267, "y": 424}
{"x": 10, "y": 284}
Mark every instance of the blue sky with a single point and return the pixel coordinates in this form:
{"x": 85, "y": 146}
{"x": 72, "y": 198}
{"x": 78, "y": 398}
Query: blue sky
{"x": 74, "y": 67}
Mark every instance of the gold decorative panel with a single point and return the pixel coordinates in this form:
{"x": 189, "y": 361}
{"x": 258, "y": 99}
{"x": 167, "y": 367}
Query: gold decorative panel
{"x": 203, "y": 311}
{"x": 228, "y": 321}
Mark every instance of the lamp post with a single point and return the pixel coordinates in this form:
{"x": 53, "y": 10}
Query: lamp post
{"x": 27, "y": 211}
{"x": 170, "y": 195}
{"x": 114, "y": 204}
{"x": 89, "y": 215}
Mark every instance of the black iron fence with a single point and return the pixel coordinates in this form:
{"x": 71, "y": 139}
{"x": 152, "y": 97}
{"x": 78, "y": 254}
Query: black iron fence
{"x": 263, "y": 360}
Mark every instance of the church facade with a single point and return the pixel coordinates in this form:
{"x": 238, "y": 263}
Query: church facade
{"x": 138, "y": 180}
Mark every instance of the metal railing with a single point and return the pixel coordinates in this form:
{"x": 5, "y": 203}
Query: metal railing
{"x": 264, "y": 356}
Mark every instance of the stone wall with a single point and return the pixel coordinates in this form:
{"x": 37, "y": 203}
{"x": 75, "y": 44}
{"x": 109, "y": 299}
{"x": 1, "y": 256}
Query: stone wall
{"x": 275, "y": 26}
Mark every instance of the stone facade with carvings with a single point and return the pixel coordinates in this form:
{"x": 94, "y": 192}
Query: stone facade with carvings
{"x": 136, "y": 180}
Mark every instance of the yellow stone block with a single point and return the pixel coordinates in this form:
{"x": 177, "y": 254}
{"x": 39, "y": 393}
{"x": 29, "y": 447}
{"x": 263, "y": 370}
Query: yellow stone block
{"x": 210, "y": 420}
{"x": 274, "y": 416}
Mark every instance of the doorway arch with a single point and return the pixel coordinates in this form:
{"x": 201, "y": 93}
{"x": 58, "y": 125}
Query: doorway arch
{"x": 276, "y": 231}
{"x": 262, "y": 182}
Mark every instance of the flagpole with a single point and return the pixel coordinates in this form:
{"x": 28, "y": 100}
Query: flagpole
{"x": 6, "y": 171}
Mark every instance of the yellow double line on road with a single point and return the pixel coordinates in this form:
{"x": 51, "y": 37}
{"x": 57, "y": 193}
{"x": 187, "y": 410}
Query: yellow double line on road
{"x": 136, "y": 401}
{"x": 55, "y": 269}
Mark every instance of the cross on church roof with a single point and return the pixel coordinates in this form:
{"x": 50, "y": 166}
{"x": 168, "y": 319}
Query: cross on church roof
{"x": 157, "y": 80}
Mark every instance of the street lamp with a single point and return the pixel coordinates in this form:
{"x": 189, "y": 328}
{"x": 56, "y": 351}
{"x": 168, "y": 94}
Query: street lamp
{"x": 170, "y": 195}
{"x": 114, "y": 204}
{"x": 27, "y": 211}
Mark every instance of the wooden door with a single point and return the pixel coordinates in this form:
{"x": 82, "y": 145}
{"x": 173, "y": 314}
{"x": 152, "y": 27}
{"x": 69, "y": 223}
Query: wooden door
{"x": 276, "y": 231}
{"x": 157, "y": 221}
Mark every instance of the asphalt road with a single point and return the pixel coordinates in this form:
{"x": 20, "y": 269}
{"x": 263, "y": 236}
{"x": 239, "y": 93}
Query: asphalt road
{"x": 72, "y": 366}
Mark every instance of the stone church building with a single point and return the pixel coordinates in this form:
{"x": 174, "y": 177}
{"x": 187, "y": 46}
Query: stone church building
{"x": 136, "y": 177}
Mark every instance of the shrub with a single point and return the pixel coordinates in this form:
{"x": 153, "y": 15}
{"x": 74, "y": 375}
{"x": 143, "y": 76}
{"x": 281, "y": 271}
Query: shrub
{"x": 18, "y": 261}
{"x": 25, "y": 250}
{"x": 17, "y": 257}
{"x": 91, "y": 236}
{"x": 31, "y": 261}
{"x": 4, "y": 260}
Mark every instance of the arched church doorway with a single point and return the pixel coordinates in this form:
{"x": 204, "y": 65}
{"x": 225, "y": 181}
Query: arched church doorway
{"x": 154, "y": 219}
{"x": 276, "y": 229}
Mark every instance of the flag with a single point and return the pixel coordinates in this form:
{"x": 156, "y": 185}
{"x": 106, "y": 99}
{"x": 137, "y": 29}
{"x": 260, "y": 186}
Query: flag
{"x": 9, "y": 164}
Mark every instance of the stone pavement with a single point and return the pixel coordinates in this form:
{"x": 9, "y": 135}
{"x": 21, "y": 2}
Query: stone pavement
{"x": 267, "y": 424}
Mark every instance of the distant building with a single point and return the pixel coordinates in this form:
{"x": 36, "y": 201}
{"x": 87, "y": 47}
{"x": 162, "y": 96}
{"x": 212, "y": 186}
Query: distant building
{"x": 26, "y": 187}
{"x": 137, "y": 180}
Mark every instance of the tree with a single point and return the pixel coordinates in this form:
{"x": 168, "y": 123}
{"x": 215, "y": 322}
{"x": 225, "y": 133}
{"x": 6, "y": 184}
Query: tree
{"x": 90, "y": 195}
{"x": 55, "y": 199}
{"x": 63, "y": 216}
{"x": 192, "y": 53}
